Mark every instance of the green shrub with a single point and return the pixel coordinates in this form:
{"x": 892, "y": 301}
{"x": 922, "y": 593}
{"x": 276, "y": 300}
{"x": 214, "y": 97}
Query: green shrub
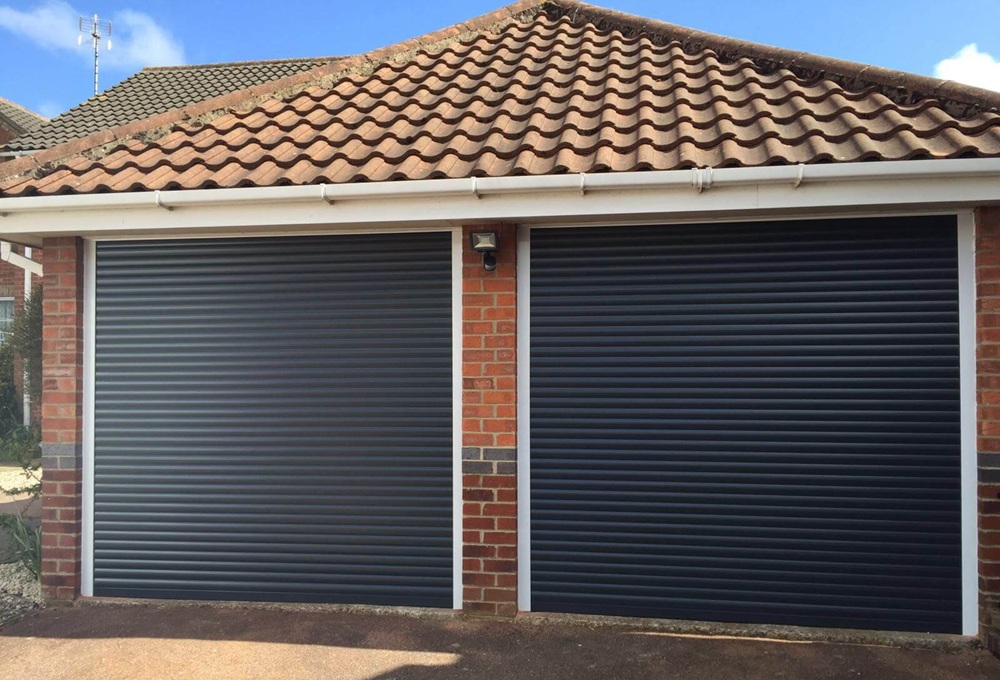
{"x": 10, "y": 402}
{"x": 21, "y": 444}
{"x": 27, "y": 543}
{"x": 26, "y": 342}
{"x": 6, "y": 362}
{"x": 10, "y": 416}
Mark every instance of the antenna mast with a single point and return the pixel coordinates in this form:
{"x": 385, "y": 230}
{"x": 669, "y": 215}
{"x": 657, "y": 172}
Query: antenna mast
{"x": 97, "y": 28}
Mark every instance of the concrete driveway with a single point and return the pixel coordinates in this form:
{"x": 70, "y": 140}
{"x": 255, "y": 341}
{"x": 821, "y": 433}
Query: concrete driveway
{"x": 136, "y": 642}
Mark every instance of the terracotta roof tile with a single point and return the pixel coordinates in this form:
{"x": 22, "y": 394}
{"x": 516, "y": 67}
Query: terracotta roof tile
{"x": 550, "y": 93}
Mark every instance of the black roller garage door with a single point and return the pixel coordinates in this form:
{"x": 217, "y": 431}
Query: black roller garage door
{"x": 273, "y": 419}
{"x": 748, "y": 422}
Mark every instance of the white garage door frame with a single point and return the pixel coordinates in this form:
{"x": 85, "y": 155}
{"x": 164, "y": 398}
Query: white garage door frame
{"x": 89, "y": 338}
{"x": 967, "y": 389}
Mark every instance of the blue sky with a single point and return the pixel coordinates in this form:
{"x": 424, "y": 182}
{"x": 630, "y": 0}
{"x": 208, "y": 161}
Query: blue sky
{"x": 45, "y": 70}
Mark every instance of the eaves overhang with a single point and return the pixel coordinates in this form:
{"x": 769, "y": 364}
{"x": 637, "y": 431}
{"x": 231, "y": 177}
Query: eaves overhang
{"x": 671, "y": 195}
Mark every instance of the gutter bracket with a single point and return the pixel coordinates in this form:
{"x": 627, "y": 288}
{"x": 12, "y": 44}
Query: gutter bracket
{"x": 701, "y": 179}
{"x": 798, "y": 180}
{"x": 583, "y": 184}
{"x": 475, "y": 188}
{"x": 323, "y": 196}
{"x": 159, "y": 202}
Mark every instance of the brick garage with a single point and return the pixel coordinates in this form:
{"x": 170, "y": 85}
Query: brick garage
{"x": 506, "y": 162}
{"x": 489, "y": 423}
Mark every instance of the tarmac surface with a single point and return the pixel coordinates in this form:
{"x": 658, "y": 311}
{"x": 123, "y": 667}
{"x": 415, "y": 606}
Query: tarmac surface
{"x": 175, "y": 641}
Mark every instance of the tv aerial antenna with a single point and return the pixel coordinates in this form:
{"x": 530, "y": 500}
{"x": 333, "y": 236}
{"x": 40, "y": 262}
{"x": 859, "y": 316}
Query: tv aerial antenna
{"x": 97, "y": 29}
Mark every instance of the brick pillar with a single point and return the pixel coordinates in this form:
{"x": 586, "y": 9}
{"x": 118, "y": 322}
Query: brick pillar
{"x": 62, "y": 417}
{"x": 988, "y": 420}
{"x": 489, "y": 427}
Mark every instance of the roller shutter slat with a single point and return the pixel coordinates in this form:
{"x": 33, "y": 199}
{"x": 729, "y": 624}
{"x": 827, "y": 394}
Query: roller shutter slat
{"x": 274, "y": 419}
{"x": 748, "y": 422}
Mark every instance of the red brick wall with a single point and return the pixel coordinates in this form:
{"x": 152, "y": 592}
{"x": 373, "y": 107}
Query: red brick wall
{"x": 489, "y": 427}
{"x": 988, "y": 419}
{"x": 62, "y": 417}
{"x": 11, "y": 281}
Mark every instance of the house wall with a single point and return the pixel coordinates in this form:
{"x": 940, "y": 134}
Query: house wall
{"x": 489, "y": 423}
{"x": 11, "y": 282}
{"x": 12, "y": 285}
{"x": 6, "y": 134}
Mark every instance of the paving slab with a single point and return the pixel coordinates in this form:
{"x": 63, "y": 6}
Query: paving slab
{"x": 170, "y": 641}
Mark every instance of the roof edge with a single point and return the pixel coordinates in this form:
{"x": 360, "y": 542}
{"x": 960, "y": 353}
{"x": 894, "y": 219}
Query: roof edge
{"x": 214, "y": 107}
{"x": 957, "y": 99}
{"x": 248, "y": 62}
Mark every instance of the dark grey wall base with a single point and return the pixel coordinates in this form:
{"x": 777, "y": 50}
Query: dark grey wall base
{"x": 489, "y": 461}
{"x": 61, "y": 456}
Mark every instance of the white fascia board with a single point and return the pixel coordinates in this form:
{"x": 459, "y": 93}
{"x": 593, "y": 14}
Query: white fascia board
{"x": 701, "y": 193}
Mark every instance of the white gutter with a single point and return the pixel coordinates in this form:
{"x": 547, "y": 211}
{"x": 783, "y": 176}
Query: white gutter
{"x": 28, "y": 265}
{"x": 700, "y": 180}
{"x": 17, "y": 154}
{"x": 27, "y": 275}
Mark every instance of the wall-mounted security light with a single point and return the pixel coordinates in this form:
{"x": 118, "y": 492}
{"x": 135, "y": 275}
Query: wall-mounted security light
{"x": 487, "y": 243}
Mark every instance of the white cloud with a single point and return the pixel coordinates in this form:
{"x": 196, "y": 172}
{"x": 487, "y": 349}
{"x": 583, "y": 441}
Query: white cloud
{"x": 52, "y": 24}
{"x": 141, "y": 41}
{"x": 972, "y": 67}
{"x": 137, "y": 40}
{"x": 50, "y": 109}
